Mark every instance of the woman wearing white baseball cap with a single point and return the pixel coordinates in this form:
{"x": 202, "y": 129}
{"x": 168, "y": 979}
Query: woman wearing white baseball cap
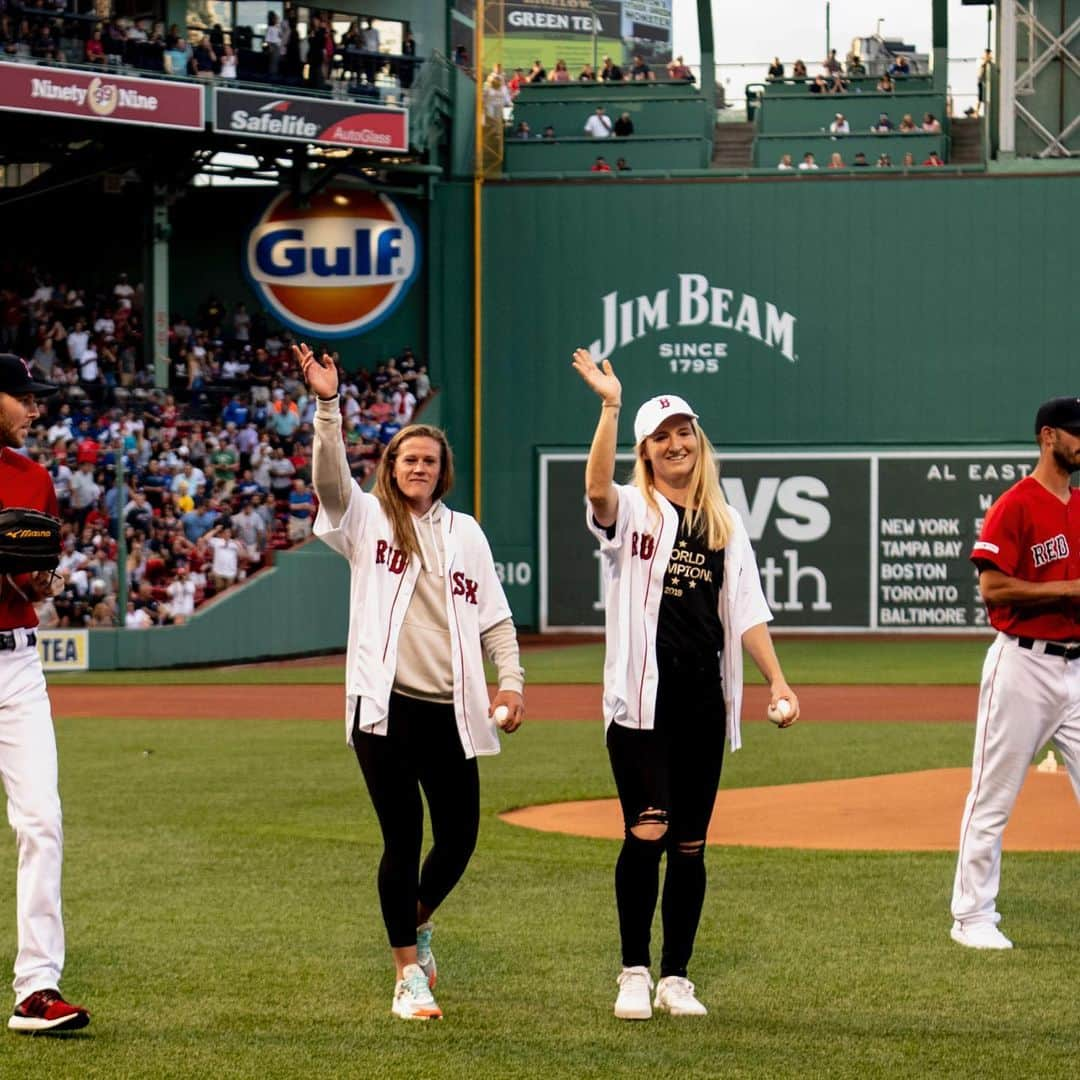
{"x": 683, "y": 599}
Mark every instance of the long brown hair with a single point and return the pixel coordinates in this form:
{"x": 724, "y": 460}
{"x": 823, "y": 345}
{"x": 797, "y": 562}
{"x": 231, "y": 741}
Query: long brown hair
{"x": 706, "y": 508}
{"x": 389, "y": 494}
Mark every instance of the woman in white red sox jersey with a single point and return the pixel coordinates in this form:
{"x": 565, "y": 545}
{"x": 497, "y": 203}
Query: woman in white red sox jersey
{"x": 1028, "y": 556}
{"x": 683, "y": 598}
{"x": 425, "y": 605}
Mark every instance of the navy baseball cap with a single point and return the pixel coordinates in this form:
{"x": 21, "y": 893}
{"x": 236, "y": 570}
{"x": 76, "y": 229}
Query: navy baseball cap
{"x": 17, "y": 379}
{"x": 1059, "y": 412}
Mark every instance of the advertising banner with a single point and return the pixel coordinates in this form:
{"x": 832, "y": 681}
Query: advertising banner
{"x": 335, "y": 266}
{"x": 117, "y": 99}
{"x": 64, "y": 650}
{"x": 844, "y": 541}
{"x": 550, "y": 30}
{"x": 248, "y": 113}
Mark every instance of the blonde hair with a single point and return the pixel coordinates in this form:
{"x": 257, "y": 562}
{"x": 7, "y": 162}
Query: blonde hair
{"x": 707, "y": 513}
{"x": 389, "y": 494}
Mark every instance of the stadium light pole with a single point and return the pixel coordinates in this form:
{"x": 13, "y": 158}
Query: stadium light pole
{"x": 595, "y": 42}
{"x": 828, "y": 28}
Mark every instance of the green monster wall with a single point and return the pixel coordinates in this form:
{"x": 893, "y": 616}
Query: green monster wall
{"x": 793, "y": 313}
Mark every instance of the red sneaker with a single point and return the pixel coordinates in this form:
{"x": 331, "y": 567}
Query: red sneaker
{"x": 46, "y": 1010}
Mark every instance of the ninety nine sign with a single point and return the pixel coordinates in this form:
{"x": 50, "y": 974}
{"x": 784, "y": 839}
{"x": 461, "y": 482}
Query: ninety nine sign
{"x": 310, "y": 120}
{"x": 115, "y": 98}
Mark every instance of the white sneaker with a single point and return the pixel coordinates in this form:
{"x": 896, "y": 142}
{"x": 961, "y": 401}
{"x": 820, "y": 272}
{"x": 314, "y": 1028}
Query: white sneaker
{"x": 979, "y": 935}
{"x": 633, "y": 1001}
{"x": 675, "y": 995}
{"x": 413, "y": 999}
{"x": 424, "y": 956}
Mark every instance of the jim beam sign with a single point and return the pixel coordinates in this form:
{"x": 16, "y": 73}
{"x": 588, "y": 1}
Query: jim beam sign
{"x": 700, "y": 308}
{"x": 249, "y": 114}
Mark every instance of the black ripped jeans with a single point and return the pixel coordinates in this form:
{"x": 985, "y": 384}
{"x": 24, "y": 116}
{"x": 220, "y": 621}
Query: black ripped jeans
{"x": 668, "y": 775}
{"x": 421, "y": 750}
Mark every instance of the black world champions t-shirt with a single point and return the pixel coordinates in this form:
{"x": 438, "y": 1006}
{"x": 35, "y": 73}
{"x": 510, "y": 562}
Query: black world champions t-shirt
{"x": 689, "y": 625}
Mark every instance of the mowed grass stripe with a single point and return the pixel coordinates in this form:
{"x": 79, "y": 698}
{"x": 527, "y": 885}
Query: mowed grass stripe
{"x": 223, "y": 922}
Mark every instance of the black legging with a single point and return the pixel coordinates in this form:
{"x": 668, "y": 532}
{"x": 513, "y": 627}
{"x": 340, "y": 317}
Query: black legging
{"x": 420, "y": 750}
{"x": 668, "y": 776}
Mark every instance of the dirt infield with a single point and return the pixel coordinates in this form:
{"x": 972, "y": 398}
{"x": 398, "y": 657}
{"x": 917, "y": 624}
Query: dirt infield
{"x": 820, "y": 704}
{"x": 917, "y": 811}
{"x": 908, "y": 811}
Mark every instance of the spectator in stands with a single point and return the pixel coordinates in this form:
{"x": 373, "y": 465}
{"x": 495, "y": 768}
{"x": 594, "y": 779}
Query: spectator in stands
{"x": 785, "y": 163}
{"x": 931, "y": 124}
{"x": 908, "y": 160}
{"x": 798, "y": 70}
{"x": 549, "y": 132}
{"x": 496, "y": 100}
{"x": 204, "y": 60}
{"x": 316, "y": 59}
{"x": 840, "y": 126}
{"x": 808, "y": 163}
{"x": 43, "y": 45}
{"x": 227, "y": 552}
{"x": 933, "y": 159}
{"x": 677, "y": 71}
{"x": 820, "y": 85}
{"x": 860, "y": 161}
{"x": 370, "y": 41}
{"x": 855, "y": 68}
{"x": 408, "y": 67}
{"x": 836, "y": 161}
{"x": 181, "y": 594}
{"x": 837, "y": 84}
{"x": 537, "y": 73}
{"x": 624, "y": 125}
{"x": 522, "y": 130}
{"x": 622, "y": 165}
{"x": 900, "y": 68}
{"x": 907, "y": 124}
{"x": 598, "y": 125}
{"x": 776, "y": 71}
{"x": 885, "y": 85}
{"x": 883, "y": 126}
{"x": 611, "y": 72}
{"x": 560, "y": 74}
{"x": 884, "y": 161}
{"x": 985, "y": 68}
{"x": 95, "y": 50}
{"x": 272, "y": 43}
{"x": 228, "y": 63}
{"x": 640, "y": 71}
{"x": 587, "y": 74}
{"x": 831, "y": 64}
{"x": 301, "y": 511}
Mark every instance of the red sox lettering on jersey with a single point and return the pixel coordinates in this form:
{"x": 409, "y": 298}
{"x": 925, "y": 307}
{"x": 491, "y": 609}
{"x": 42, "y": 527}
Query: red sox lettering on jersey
{"x": 1057, "y": 547}
{"x": 393, "y": 558}
{"x": 464, "y": 586}
{"x": 642, "y": 545}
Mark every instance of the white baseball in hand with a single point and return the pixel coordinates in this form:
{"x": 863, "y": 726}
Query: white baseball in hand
{"x": 502, "y": 714}
{"x": 780, "y": 712}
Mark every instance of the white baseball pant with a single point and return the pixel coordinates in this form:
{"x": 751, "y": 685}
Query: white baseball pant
{"x": 29, "y": 771}
{"x": 1026, "y": 699}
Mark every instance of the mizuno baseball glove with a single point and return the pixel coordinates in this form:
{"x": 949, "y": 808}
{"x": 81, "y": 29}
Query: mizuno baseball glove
{"x": 29, "y": 540}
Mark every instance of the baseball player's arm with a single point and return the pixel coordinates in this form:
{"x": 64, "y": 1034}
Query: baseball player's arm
{"x": 999, "y": 588}
{"x": 600, "y": 468}
{"x": 758, "y": 643}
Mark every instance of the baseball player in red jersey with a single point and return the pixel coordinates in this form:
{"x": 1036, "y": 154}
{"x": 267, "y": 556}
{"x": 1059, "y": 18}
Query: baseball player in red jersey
{"x": 1028, "y": 555}
{"x": 27, "y": 743}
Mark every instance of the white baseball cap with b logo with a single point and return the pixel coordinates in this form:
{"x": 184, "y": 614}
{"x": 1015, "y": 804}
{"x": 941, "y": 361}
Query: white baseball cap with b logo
{"x": 655, "y": 411}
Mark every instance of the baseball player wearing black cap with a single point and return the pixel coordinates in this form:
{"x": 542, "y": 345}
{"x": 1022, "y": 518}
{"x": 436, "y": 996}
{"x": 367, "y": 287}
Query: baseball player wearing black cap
{"x": 27, "y": 742}
{"x": 1028, "y": 557}
{"x": 683, "y": 599}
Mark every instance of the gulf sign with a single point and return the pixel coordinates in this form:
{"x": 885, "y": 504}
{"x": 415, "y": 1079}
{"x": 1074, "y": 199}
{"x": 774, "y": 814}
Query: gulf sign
{"x": 120, "y": 99}
{"x": 336, "y": 267}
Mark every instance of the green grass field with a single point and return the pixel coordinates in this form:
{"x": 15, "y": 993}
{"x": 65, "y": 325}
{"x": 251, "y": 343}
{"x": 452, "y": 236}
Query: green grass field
{"x": 223, "y": 922}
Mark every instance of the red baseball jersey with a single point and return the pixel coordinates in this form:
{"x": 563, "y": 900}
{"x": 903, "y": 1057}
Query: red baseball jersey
{"x": 22, "y": 483}
{"x": 1029, "y": 533}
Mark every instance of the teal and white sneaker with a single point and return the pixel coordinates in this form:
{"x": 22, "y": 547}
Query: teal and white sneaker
{"x": 675, "y": 995}
{"x": 413, "y": 999}
{"x": 424, "y": 956}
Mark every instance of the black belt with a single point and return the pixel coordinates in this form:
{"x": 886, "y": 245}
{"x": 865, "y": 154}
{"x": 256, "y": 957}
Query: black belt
{"x": 9, "y": 641}
{"x": 1052, "y": 648}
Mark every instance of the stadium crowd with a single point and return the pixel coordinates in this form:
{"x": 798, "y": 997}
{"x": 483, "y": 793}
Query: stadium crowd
{"x": 216, "y": 468}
